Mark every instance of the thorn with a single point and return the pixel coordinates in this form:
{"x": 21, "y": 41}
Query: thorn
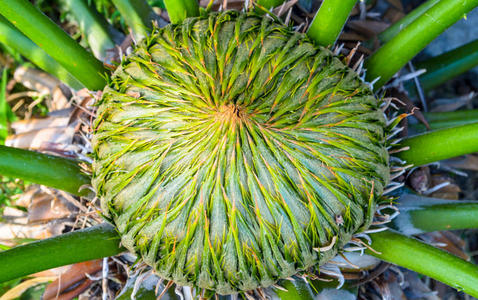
{"x": 349, "y": 57}
{"x": 348, "y": 261}
{"x": 368, "y": 247}
{"x": 280, "y": 287}
{"x": 338, "y": 49}
{"x": 166, "y": 288}
{"x": 380, "y": 229}
{"x": 328, "y": 247}
{"x": 436, "y": 188}
{"x": 399, "y": 150}
{"x": 391, "y": 189}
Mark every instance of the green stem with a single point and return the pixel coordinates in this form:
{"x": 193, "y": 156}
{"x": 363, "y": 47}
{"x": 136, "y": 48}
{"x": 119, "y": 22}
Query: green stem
{"x": 82, "y": 245}
{"x": 329, "y": 21}
{"x": 440, "y": 120}
{"x": 5, "y": 110}
{"x": 398, "y": 26}
{"x": 417, "y": 256}
{"x": 448, "y": 65}
{"x": 268, "y": 4}
{"x": 11, "y": 36}
{"x": 440, "y": 144}
{"x": 93, "y": 25}
{"x": 422, "y": 214}
{"x": 393, "y": 55}
{"x": 51, "y": 38}
{"x": 451, "y": 115}
{"x": 53, "y": 171}
{"x": 178, "y": 10}
{"x": 138, "y": 15}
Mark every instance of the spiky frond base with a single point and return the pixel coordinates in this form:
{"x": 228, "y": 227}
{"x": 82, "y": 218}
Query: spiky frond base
{"x": 231, "y": 152}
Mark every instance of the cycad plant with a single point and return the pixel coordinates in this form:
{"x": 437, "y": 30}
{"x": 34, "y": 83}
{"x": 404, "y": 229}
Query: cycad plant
{"x": 231, "y": 152}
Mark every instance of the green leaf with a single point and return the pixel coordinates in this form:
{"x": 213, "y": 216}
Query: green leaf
{"x": 53, "y": 171}
{"x": 394, "y": 54}
{"x": 329, "y": 21}
{"x": 178, "y": 10}
{"x": 54, "y": 41}
{"x": 6, "y": 114}
{"x": 17, "y": 44}
{"x": 82, "y": 245}
{"x": 99, "y": 33}
{"x": 440, "y": 144}
{"x": 138, "y": 14}
{"x": 420, "y": 257}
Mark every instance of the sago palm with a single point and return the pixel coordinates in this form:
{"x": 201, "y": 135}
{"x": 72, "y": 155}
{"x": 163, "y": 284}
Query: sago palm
{"x": 231, "y": 152}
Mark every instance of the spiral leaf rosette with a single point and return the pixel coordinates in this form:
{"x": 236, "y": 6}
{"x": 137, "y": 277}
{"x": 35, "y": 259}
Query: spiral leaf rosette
{"x": 231, "y": 152}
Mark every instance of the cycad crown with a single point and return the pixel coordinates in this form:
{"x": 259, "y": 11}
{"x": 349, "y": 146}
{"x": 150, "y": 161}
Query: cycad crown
{"x": 230, "y": 151}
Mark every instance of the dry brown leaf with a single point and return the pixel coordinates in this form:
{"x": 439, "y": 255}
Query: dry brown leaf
{"x": 367, "y": 28}
{"x": 387, "y": 285}
{"x": 75, "y": 292}
{"x": 26, "y": 197}
{"x": 17, "y": 226}
{"x": 84, "y": 107}
{"x": 420, "y": 179}
{"x": 393, "y": 15}
{"x": 40, "y": 139}
{"x": 372, "y": 274}
{"x": 59, "y": 120}
{"x": 19, "y": 95}
{"x": 450, "y": 191}
{"x": 10, "y": 234}
{"x": 59, "y": 99}
{"x": 397, "y": 4}
{"x": 74, "y": 276}
{"x": 351, "y": 36}
{"x": 47, "y": 207}
{"x": 467, "y": 162}
{"x": 36, "y": 80}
